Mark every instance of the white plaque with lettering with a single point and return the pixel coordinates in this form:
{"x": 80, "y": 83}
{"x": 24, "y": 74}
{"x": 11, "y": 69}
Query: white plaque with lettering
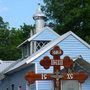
{"x": 70, "y": 85}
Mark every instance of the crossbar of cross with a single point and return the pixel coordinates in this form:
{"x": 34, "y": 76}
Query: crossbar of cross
{"x": 31, "y": 77}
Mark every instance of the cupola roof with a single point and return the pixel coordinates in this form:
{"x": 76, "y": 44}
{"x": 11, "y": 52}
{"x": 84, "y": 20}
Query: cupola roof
{"x": 39, "y": 13}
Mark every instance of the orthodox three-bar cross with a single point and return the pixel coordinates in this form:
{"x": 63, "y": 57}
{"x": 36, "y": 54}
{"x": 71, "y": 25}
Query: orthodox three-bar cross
{"x": 56, "y": 76}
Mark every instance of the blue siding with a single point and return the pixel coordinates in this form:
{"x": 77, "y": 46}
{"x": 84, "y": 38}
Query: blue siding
{"x": 46, "y": 35}
{"x": 17, "y": 79}
{"x": 71, "y": 47}
{"x": 45, "y": 85}
{"x": 86, "y": 85}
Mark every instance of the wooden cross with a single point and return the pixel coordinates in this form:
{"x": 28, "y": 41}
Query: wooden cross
{"x": 46, "y": 62}
{"x": 56, "y": 76}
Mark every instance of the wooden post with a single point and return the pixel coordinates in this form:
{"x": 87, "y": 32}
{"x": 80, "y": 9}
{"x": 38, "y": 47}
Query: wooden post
{"x": 56, "y": 52}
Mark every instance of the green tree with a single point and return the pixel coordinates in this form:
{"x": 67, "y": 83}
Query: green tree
{"x": 69, "y": 15}
{"x": 4, "y": 38}
{"x": 10, "y": 39}
{"x": 15, "y": 38}
{"x": 26, "y": 29}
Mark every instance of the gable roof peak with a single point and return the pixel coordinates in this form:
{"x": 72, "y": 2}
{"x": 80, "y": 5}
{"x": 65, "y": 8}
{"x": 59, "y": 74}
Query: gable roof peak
{"x": 81, "y": 40}
{"x": 37, "y": 34}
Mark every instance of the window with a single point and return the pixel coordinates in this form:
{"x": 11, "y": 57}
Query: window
{"x": 40, "y": 44}
{"x": 26, "y": 50}
{"x": 12, "y": 86}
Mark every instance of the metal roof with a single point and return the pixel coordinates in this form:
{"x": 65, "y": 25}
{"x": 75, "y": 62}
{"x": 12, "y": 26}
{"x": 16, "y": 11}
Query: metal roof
{"x": 83, "y": 64}
{"x": 4, "y": 65}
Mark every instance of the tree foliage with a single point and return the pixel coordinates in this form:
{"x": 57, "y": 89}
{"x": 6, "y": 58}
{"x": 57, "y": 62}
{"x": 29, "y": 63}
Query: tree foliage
{"x": 10, "y": 39}
{"x": 26, "y": 30}
{"x": 69, "y": 15}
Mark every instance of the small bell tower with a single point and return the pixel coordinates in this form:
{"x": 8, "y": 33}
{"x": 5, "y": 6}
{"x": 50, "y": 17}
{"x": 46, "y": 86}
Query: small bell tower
{"x": 39, "y": 18}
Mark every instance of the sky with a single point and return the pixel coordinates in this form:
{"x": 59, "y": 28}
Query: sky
{"x": 17, "y": 12}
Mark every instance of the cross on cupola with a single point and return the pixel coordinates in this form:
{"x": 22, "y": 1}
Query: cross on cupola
{"x": 56, "y": 76}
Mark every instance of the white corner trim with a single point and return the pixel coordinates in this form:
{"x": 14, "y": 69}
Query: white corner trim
{"x": 36, "y": 85}
{"x": 36, "y": 82}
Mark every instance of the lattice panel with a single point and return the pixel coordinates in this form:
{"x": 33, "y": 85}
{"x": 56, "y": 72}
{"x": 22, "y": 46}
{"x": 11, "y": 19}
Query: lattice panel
{"x": 40, "y": 44}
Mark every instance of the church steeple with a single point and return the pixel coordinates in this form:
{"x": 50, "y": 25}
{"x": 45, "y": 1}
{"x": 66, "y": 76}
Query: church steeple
{"x": 39, "y": 18}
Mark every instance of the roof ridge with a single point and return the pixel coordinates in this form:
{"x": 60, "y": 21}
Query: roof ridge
{"x": 35, "y": 35}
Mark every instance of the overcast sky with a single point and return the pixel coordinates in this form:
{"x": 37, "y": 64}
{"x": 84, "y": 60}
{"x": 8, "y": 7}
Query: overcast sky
{"x": 17, "y": 12}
